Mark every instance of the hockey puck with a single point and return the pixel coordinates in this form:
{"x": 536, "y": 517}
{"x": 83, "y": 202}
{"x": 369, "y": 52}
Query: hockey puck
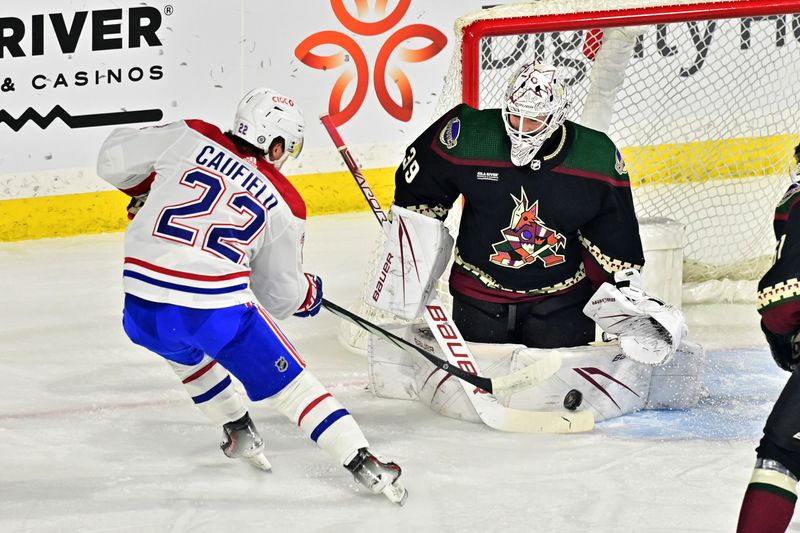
{"x": 573, "y": 399}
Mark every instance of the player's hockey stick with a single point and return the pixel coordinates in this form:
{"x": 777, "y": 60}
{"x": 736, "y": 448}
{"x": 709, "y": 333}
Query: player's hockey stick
{"x": 490, "y": 411}
{"x": 521, "y": 379}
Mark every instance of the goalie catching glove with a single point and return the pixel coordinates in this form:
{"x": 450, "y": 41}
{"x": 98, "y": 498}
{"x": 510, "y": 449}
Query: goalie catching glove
{"x": 649, "y": 330}
{"x": 416, "y": 253}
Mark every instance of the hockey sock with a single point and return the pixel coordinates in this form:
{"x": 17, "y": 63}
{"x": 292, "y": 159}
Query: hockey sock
{"x": 307, "y": 403}
{"x": 212, "y": 390}
{"x": 768, "y": 503}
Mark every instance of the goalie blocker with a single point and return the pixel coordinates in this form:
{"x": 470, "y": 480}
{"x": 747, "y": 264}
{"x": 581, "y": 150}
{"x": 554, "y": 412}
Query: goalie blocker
{"x": 416, "y": 254}
{"x": 600, "y": 378}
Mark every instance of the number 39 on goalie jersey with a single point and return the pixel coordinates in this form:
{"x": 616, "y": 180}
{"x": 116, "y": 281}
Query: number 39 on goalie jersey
{"x": 217, "y": 229}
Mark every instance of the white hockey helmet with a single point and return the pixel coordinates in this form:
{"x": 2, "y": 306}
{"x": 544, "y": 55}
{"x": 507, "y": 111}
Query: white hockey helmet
{"x": 539, "y": 98}
{"x": 264, "y": 114}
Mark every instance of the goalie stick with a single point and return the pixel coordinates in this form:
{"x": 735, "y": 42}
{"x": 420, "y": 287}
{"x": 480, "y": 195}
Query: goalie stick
{"x": 521, "y": 379}
{"x": 489, "y": 409}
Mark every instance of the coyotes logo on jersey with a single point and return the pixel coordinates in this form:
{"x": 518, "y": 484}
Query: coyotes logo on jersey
{"x": 527, "y": 238}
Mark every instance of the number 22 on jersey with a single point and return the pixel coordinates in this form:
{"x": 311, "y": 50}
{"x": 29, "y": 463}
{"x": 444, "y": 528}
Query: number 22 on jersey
{"x": 221, "y": 239}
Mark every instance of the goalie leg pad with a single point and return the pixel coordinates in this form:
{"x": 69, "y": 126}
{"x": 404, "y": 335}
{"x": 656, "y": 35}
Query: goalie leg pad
{"x": 416, "y": 254}
{"x": 307, "y": 403}
{"x": 610, "y": 384}
{"x": 678, "y": 384}
{"x": 394, "y": 373}
{"x": 211, "y": 389}
{"x": 443, "y": 392}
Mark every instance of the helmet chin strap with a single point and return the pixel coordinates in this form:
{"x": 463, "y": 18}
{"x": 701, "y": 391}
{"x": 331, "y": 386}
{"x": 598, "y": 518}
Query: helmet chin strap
{"x": 278, "y": 163}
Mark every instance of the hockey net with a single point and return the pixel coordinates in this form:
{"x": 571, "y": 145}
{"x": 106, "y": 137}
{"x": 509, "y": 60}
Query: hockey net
{"x": 703, "y": 100}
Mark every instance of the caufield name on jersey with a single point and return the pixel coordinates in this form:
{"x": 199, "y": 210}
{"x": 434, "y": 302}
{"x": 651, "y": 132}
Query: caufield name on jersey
{"x": 223, "y": 163}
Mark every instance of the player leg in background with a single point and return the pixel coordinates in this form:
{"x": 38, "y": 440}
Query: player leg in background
{"x": 212, "y": 390}
{"x": 772, "y": 493}
{"x": 246, "y": 342}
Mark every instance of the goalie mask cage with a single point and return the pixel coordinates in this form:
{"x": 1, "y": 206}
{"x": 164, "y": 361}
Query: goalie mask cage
{"x": 702, "y": 99}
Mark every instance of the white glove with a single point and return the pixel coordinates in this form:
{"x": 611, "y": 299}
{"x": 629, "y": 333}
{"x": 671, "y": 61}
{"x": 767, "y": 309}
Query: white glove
{"x": 649, "y": 330}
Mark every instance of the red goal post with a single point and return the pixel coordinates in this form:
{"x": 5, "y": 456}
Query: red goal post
{"x": 656, "y": 14}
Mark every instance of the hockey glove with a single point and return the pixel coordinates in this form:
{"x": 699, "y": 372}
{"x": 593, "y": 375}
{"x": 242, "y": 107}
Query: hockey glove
{"x": 313, "y": 302}
{"x": 785, "y": 349}
{"x": 136, "y": 203}
{"x": 649, "y": 330}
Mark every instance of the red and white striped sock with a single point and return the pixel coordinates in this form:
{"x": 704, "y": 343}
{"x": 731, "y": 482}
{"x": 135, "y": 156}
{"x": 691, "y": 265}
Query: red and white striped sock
{"x": 307, "y": 403}
{"x": 212, "y": 389}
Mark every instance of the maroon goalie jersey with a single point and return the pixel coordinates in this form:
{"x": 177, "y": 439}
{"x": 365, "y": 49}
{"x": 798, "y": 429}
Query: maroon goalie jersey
{"x": 562, "y": 224}
{"x": 779, "y": 289}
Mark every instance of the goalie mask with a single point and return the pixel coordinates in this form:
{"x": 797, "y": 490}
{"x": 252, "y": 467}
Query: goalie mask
{"x": 535, "y": 106}
{"x": 264, "y": 115}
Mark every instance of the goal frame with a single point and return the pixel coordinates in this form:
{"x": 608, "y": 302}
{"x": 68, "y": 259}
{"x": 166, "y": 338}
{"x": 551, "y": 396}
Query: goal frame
{"x": 473, "y": 32}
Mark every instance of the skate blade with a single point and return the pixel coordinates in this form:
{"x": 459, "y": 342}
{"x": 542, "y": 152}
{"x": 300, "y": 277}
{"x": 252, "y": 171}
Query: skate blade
{"x": 396, "y": 493}
{"x": 260, "y": 462}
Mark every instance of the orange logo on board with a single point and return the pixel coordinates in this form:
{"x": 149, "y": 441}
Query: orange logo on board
{"x": 360, "y": 74}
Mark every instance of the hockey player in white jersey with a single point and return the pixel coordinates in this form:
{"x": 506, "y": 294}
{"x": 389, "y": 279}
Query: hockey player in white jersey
{"x": 213, "y": 254}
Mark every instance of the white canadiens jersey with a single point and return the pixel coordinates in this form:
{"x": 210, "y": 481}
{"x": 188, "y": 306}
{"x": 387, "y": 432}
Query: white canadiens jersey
{"x": 217, "y": 229}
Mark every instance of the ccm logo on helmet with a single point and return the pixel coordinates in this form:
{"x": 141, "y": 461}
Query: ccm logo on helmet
{"x": 283, "y": 100}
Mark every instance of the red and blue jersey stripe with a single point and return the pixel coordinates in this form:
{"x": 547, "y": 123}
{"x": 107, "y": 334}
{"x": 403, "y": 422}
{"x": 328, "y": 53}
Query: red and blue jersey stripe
{"x": 189, "y": 282}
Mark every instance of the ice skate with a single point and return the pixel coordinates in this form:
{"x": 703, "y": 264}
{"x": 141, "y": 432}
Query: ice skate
{"x": 242, "y": 441}
{"x": 378, "y": 477}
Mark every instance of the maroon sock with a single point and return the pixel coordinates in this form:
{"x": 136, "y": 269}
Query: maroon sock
{"x": 766, "y": 509}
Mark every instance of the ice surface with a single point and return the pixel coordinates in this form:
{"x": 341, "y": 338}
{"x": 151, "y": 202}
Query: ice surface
{"x": 97, "y": 435}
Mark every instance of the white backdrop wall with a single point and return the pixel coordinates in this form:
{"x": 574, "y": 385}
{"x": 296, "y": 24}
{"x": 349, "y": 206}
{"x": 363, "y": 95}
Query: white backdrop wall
{"x": 201, "y": 57}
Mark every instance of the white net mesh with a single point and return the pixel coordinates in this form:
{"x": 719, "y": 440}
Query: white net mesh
{"x": 704, "y": 111}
